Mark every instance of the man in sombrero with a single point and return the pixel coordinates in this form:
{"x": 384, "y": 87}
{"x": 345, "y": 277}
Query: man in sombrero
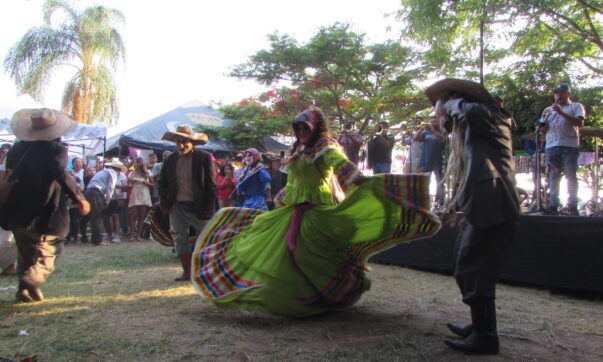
{"x": 187, "y": 191}
{"x": 34, "y": 206}
{"x": 481, "y": 170}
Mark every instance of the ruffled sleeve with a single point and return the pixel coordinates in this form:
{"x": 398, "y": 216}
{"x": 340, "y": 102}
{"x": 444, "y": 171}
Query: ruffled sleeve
{"x": 345, "y": 170}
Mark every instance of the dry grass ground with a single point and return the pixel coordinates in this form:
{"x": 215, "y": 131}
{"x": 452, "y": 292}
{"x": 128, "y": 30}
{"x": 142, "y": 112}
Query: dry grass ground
{"x": 119, "y": 303}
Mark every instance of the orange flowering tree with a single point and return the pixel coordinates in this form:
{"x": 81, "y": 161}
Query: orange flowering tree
{"x": 268, "y": 114}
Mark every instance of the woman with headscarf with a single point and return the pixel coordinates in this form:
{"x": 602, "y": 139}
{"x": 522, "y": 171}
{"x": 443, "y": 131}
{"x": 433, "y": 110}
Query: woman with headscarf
{"x": 309, "y": 255}
{"x": 254, "y": 182}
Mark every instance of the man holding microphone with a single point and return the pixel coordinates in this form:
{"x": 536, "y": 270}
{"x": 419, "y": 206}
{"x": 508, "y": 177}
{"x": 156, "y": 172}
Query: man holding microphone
{"x": 562, "y": 122}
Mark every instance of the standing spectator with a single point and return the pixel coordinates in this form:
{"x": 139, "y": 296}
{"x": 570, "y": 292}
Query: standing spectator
{"x": 351, "y": 143}
{"x": 380, "y": 149}
{"x": 77, "y": 171}
{"x": 562, "y": 128}
{"x": 140, "y": 197}
{"x": 88, "y": 175}
{"x": 156, "y": 172}
{"x": 152, "y": 161}
{"x": 415, "y": 148}
{"x": 226, "y": 184}
{"x": 482, "y": 169}
{"x": 432, "y": 158}
{"x": 99, "y": 192}
{"x": 254, "y": 182}
{"x": 111, "y": 215}
{"x": 36, "y": 207}
{"x": 187, "y": 191}
{"x": 278, "y": 179}
{"x": 121, "y": 191}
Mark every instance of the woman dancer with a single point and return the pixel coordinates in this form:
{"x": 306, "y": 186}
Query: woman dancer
{"x": 309, "y": 256}
{"x": 140, "y": 198}
{"x": 254, "y": 183}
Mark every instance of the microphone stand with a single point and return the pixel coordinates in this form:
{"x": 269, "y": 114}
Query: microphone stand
{"x": 538, "y": 179}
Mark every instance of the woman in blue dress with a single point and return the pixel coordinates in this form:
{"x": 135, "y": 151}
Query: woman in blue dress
{"x": 254, "y": 182}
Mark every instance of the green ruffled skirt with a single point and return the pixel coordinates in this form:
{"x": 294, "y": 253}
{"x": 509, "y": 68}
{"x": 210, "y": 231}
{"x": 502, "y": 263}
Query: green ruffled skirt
{"x": 243, "y": 261}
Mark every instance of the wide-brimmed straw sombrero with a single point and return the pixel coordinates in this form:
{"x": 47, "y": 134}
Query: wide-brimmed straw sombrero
{"x": 41, "y": 124}
{"x": 198, "y": 138}
{"x": 475, "y": 91}
{"x": 116, "y": 163}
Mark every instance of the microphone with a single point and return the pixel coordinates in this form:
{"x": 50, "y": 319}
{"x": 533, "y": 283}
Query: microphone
{"x": 540, "y": 122}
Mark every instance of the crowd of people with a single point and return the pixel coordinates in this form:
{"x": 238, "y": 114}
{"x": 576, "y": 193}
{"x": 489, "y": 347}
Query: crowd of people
{"x": 283, "y": 239}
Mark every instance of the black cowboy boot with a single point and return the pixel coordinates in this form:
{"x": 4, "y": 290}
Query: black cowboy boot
{"x": 463, "y": 331}
{"x": 484, "y": 338}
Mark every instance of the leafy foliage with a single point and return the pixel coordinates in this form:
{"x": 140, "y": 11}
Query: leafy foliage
{"x": 539, "y": 29}
{"x": 87, "y": 40}
{"x": 265, "y": 115}
{"x": 336, "y": 71}
{"x": 535, "y": 45}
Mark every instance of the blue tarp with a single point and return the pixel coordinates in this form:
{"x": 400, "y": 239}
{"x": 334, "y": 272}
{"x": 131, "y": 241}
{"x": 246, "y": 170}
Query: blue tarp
{"x": 148, "y": 134}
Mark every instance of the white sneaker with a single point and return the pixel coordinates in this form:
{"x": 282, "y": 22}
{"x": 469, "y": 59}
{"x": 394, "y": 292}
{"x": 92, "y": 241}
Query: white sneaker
{"x": 116, "y": 239}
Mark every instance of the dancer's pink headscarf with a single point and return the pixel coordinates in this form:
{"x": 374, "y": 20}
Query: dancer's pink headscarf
{"x": 255, "y": 153}
{"x": 310, "y": 117}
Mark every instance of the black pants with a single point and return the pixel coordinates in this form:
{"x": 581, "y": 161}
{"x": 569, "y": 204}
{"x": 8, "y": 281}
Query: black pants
{"x": 97, "y": 205}
{"x": 74, "y": 223}
{"x": 478, "y": 260}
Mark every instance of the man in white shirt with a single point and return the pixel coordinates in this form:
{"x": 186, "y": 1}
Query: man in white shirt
{"x": 562, "y": 122}
{"x": 99, "y": 192}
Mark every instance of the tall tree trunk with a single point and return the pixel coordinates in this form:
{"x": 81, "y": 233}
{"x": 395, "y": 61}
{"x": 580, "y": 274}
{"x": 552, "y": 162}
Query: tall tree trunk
{"x": 77, "y": 111}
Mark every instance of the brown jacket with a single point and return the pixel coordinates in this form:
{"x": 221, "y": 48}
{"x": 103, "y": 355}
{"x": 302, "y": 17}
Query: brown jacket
{"x": 38, "y": 201}
{"x": 204, "y": 183}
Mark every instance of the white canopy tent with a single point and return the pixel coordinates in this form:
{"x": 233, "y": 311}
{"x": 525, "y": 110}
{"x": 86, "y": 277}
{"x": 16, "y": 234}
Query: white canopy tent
{"x": 83, "y": 141}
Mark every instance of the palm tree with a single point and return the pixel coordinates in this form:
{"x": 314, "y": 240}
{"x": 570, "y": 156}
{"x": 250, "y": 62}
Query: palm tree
{"x": 86, "y": 40}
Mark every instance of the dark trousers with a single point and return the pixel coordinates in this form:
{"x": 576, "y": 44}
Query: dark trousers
{"x": 37, "y": 254}
{"x": 97, "y": 205}
{"x": 74, "y": 223}
{"x": 478, "y": 260}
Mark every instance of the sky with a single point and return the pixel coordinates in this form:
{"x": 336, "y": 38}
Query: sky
{"x": 181, "y": 50}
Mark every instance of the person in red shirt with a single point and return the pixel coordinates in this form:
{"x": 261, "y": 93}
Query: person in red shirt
{"x": 226, "y": 185}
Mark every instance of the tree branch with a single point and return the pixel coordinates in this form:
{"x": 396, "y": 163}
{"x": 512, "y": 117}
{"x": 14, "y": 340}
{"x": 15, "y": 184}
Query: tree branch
{"x": 590, "y": 66}
{"x": 597, "y": 38}
{"x": 572, "y": 24}
{"x": 599, "y": 10}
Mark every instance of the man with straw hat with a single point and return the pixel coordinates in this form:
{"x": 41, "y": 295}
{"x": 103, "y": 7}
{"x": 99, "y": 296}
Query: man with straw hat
{"x": 481, "y": 169}
{"x": 99, "y": 192}
{"x": 187, "y": 191}
{"x": 34, "y": 206}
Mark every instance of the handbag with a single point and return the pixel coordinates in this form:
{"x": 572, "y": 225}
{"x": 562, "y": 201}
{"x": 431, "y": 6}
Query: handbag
{"x": 7, "y": 186}
{"x": 336, "y": 190}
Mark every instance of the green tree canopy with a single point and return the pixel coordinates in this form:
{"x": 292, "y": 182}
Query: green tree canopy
{"x": 347, "y": 79}
{"x": 87, "y": 40}
{"x": 566, "y": 29}
{"x": 531, "y": 45}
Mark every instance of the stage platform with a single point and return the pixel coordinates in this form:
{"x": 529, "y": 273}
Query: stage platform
{"x": 560, "y": 252}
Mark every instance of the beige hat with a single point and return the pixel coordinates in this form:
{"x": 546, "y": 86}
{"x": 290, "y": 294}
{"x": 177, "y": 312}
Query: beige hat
{"x": 41, "y": 124}
{"x": 117, "y": 164}
{"x": 476, "y": 91}
{"x": 199, "y": 138}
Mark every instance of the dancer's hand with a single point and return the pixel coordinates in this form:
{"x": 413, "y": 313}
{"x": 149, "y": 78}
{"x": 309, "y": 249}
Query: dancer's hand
{"x": 84, "y": 207}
